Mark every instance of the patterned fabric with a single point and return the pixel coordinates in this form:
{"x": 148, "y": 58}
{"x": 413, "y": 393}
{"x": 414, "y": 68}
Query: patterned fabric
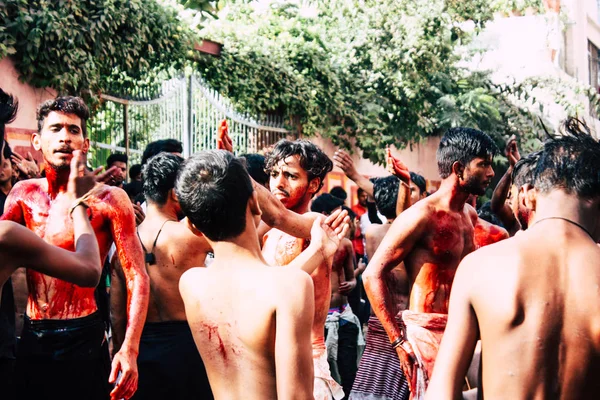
{"x": 379, "y": 375}
{"x": 424, "y": 332}
{"x": 325, "y": 388}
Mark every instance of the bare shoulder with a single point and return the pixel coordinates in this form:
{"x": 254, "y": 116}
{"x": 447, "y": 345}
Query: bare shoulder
{"x": 290, "y": 283}
{"x": 472, "y": 213}
{"x": 347, "y": 244}
{"x": 26, "y": 186}
{"x": 190, "y": 279}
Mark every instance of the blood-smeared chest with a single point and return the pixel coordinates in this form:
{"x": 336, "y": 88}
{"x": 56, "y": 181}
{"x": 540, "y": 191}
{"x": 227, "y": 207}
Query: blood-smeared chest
{"x": 52, "y": 298}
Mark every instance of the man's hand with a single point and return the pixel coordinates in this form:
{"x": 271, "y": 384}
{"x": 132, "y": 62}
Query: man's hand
{"x": 80, "y": 180}
{"x": 328, "y": 233}
{"x": 396, "y": 167}
{"x": 347, "y": 287}
{"x": 139, "y": 213}
{"x": 224, "y": 142}
{"x": 342, "y": 160}
{"x": 408, "y": 362}
{"x": 512, "y": 151}
{"x": 26, "y": 165}
{"x": 124, "y": 367}
{"x": 106, "y": 176}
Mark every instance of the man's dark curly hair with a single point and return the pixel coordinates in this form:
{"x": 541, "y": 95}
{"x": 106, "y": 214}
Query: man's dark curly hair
{"x": 66, "y": 105}
{"x": 312, "y": 159}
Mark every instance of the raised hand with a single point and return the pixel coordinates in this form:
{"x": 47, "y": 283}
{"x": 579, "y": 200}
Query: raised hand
{"x": 342, "y": 160}
{"x": 106, "y": 176}
{"x": 396, "y": 167}
{"x": 512, "y": 151}
{"x": 224, "y": 142}
{"x": 329, "y": 232}
{"x": 26, "y": 165}
{"x": 80, "y": 180}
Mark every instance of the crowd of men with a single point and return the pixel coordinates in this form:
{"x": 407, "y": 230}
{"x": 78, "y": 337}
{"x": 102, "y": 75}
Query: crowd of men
{"x": 229, "y": 277}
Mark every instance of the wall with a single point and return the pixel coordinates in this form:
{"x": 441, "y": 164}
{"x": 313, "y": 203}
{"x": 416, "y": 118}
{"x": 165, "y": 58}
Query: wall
{"x": 18, "y": 133}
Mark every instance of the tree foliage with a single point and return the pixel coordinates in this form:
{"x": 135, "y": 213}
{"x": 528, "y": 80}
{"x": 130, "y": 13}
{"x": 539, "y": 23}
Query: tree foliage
{"x": 86, "y": 46}
{"x": 365, "y": 72}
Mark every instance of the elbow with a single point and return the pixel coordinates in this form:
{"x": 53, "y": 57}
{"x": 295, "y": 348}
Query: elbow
{"x": 91, "y": 275}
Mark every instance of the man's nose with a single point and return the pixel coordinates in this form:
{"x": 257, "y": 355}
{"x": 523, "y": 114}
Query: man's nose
{"x": 64, "y": 136}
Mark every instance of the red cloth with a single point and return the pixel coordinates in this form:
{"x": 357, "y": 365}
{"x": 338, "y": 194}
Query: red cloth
{"x": 424, "y": 332}
{"x": 357, "y": 241}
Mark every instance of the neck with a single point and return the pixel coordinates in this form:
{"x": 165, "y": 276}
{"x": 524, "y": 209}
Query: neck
{"x": 302, "y": 206}
{"x": 451, "y": 192}
{"x": 243, "y": 247}
{"x": 164, "y": 212}
{"x": 5, "y": 187}
{"x": 557, "y": 203}
{"x": 57, "y": 180}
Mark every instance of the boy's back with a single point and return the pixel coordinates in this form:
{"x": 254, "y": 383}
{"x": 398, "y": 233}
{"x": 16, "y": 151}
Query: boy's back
{"x": 252, "y": 325}
{"x": 538, "y": 310}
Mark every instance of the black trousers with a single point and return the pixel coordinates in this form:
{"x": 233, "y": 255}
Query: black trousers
{"x": 63, "y": 359}
{"x": 347, "y": 355}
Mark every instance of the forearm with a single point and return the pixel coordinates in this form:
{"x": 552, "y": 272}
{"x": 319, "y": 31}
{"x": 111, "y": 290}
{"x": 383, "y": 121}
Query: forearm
{"x": 403, "y": 201}
{"x": 310, "y": 259}
{"x": 86, "y": 243}
{"x": 137, "y": 308}
{"x": 382, "y": 303}
{"x": 363, "y": 183}
{"x": 118, "y": 308}
{"x": 501, "y": 192}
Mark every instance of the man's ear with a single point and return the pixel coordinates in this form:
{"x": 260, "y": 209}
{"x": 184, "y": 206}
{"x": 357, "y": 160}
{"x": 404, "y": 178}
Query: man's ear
{"x": 173, "y": 196}
{"x": 253, "y": 204}
{"x": 192, "y": 228}
{"x": 458, "y": 169}
{"x": 314, "y": 185}
{"x": 86, "y": 145}
{"x": 528, "y": 196}
{"x": 36, "y": 141}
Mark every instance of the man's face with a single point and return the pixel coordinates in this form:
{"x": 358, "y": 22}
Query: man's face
{"x": 415, "y": 193}
{"x": 362, "y": 198}
{"x": 6, "y": 171}
{"x": 61, "y": 134}
{"x": 289, "y": 182}
{"x": 120, "y": 174}
{"x": 478, "y": 175}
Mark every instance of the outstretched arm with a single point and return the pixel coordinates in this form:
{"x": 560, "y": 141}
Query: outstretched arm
{"x": 343, "y": 161}
{"x": 293, "y": 348}
{"x": 326, "y": 234}
{"x": 131, "y": 258}
{"x": 460, "y": 337}
{"x": 404, "y": 233}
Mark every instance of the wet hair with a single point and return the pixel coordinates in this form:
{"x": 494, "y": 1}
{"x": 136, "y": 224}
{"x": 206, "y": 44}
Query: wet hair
{"x": 158, "y": 146}
{"x": 213, "y": 188}
{"x": 113, "y": 158}
{"x": 524, "y": 170}
{"x": 463, "y": 145}
{"x": 485, "y": 213}
{"x": 135, "y": 170}
{"x": 570, "y": 162}
{"x": 7, "y": 152}
{"x": 351, "y": 213}
{"x": 255, "y": 165}
{"x": 339, "y": 192}
{"x": 385, "y": 191}
{"x": 326, "y": 204}
{"x": 160, "y": 174}
{"x": 419, "y": 181}
{"x": 65, "y": 105}
{"x": 8, "y": 112}
{"x": 312, "y": 159}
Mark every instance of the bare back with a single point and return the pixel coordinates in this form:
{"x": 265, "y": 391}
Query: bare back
{"x": 397, "y": 280}
{"x": 235, "y": 314}
{"x": 111, "y": 218}
{"x": 343, "y": 260}
{"x": 280, "y": 249}
{"x": 538, "y": 309}
{"x": 177, "y": 250}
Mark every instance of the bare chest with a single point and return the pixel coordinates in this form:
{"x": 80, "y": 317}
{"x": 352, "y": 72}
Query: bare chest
{"x": 279, "y": 248}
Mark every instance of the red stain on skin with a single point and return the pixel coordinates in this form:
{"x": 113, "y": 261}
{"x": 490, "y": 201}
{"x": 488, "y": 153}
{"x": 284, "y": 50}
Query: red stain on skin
{"x": 172, "y": 259}
{"x": 214, "y": 330}
{"x": 486, "y": 235}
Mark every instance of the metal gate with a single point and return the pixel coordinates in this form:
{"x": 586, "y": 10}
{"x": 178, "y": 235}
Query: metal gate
{"x": 186, "y": 109}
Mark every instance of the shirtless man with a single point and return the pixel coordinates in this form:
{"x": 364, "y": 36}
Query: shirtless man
{"x": 430, "y": 238}
{"x": 169, "y": 364}
{"x": 63, "y": 351}
{"x": 343, "y": 333}
{"x": 533, "y": 299}
{"x": 257, "y": 349}
{"x": 379, "y": 374}
{"x": 504, "y": 193}
{"x": 297, "y": 170}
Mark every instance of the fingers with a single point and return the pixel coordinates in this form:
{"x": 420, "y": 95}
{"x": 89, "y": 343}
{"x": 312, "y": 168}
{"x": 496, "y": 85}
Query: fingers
{"x": 344, "y": 231}
{"x": 106, "y": 176}
{"x": 29, "y": 156}
{"x": 116, "y": 367}
{"x": 338, "y": 220}
{"x": 331, "y": 217}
